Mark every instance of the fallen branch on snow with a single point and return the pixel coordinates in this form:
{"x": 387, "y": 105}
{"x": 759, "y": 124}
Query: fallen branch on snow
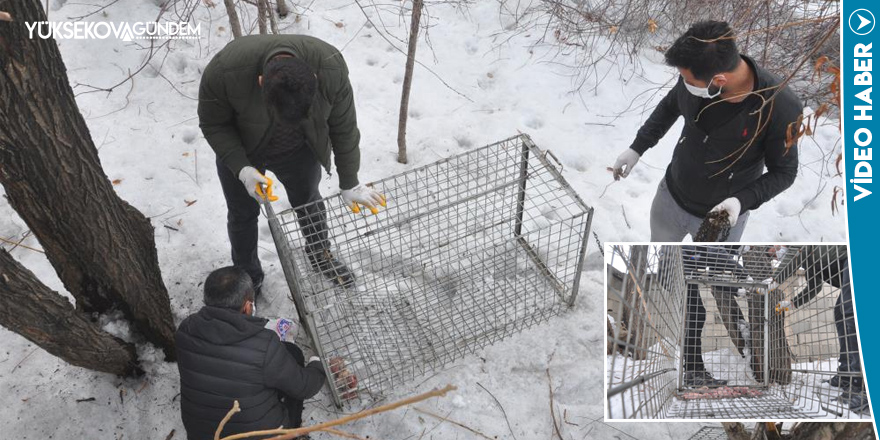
{"x": 289, "y": 434}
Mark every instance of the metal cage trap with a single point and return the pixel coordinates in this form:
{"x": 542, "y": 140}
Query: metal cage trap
{"x": 732, "y": 332}
{"x": 469, "y": 250}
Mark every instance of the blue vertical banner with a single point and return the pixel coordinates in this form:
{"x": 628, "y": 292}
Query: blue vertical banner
{"x": 860, "y": 125}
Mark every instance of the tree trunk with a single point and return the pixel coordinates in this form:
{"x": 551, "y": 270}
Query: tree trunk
{"x": 262, "y": 12}
{"x": 101, "y": 247}
{"x": 407, "y": 79}
{"x": 49, "y": 320}
{"x": 234, "y": 22}
{"x": 270, "y": 12}
{"x": 634, "y": 305}
{"x": 282, "y": 8}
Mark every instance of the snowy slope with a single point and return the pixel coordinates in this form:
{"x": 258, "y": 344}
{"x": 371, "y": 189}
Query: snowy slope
{"x": 148, "y": 137}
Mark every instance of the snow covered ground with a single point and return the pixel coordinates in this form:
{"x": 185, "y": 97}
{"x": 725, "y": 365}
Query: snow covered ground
{"x": 148, "y": 137}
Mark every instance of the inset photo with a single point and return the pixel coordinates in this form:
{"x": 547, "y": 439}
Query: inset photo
{"x": 744, "y": 332}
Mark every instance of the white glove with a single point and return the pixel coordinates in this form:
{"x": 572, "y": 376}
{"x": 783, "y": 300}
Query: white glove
{"x": 286, "y": 329}
{"x": 731, "y": 206}
{"x": 313, "y": 359}
{"x": 784, "y": 305}
{"x": 254, "y": 181}
{"x": 628, "y": 159}
{"x": 780, "y": 252}
{"x": 362, "y": 195}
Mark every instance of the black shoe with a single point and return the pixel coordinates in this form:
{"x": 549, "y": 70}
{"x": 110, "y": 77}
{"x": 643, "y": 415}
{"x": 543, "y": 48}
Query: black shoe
{"x": 835, "y": 381}
{"x": 853, "y": 395}
{"x": 848, "y": 365}
{"x": 857, "y": 403}
{"x": 839, "y": 381}
{"x": 324, "y": 263}
{"x": 699, "y": 379}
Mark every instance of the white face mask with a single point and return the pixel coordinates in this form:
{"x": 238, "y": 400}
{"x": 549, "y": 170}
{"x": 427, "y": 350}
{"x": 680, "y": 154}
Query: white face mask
{"x": 703, "y": 92}
{"x": 254, "y": 309}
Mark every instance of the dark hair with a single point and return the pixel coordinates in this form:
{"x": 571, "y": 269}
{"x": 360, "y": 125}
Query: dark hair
{"x": 289, "y": 86}
{"x": 228, "y": 287}
{"x": 706, "y": 49}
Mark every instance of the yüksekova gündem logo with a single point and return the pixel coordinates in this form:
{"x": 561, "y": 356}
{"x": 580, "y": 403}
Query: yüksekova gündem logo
{"x": 126, "y": 31}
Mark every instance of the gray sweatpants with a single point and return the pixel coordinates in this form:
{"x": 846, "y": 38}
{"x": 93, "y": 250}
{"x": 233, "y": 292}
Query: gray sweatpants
{"x": 669, "y": 222}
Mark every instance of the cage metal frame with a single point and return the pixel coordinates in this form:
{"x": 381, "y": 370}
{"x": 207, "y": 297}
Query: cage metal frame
{"x": 531, "y": 169}
{"x": 774, "y": 282}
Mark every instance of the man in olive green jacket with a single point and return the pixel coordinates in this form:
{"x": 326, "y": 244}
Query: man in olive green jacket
{"x": 282, "y": 103}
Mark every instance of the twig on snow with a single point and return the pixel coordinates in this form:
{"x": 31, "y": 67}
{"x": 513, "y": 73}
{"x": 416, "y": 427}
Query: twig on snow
{"x": 502, "y": 410}
{"x": 552, "y": 411}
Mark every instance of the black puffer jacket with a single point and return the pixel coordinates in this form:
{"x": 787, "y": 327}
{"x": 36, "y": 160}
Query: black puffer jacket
{"x": 224, "y": 355}
{"x": 700, "y": 176}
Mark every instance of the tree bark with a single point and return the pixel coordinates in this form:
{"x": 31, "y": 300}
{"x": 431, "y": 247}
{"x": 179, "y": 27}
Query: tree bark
{"x": 270, "y": 12}
{"x": 101, "y": 247}
{"x": 832, "y": 431}
{"x": 407, "y": 79}
{"x": 802, "y": 431}
{"x": 49, "y": 320}
{"x": 282, "y": 8}
{"x": 634, "y": 311}
{"x": 234, "y": 22}
{"x": 262, "y": 12}
{"x": 735, "y": 431}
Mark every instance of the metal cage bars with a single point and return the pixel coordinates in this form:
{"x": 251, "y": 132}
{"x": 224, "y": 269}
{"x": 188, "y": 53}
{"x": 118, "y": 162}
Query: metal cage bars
{"x": 469, "y": 250}
{"x": 644, "y": 328}
{"x": 778, "y": 358}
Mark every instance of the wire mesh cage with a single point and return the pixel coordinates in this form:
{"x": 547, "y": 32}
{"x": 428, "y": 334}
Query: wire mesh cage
{"x": 760, "y": 331}
{"x": 469, "y": 250}
{"x": 711, "y": 433}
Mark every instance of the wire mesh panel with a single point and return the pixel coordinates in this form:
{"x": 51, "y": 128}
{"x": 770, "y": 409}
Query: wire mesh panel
{"x": 767, "y": 331}
{"x": 816, "y": 315}
{"x": 469, "y": 250}
{"x": 645, "y": 297}
{"x": 711, "y": 433}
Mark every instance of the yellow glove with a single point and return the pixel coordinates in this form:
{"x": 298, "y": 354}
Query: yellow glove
{"x": 254, "y": 181}
{"x": 365, "y": 196}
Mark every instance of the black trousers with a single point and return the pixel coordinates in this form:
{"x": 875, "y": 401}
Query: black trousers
{"x": 845, "y": 321}
{"x": 294, "y": 406}
{"x": 300, "y": 172}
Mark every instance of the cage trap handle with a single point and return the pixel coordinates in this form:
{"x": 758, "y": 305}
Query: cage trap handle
{"x": 546, "y": 153}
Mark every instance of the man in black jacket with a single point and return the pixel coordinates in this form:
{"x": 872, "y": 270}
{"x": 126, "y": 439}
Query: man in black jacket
{"x": 735, "y": 120}
{"x": 225, "y": 353}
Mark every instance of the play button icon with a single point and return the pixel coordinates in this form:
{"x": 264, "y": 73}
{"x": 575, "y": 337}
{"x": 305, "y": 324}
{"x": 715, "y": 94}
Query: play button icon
{"x": 861, "y": 22}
